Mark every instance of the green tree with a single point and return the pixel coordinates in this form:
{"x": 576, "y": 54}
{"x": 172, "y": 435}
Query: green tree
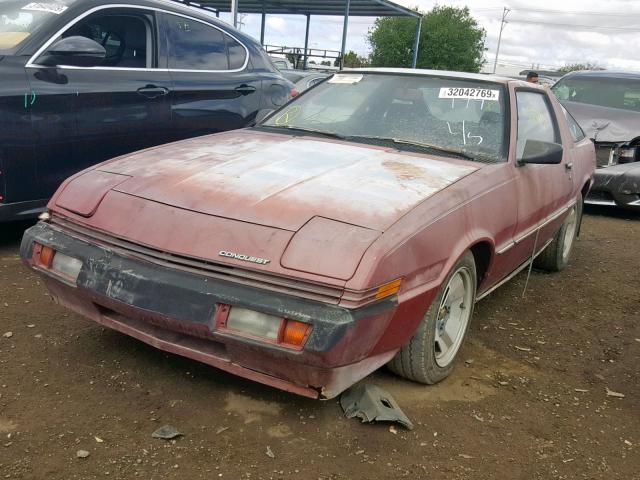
{"x": 450, "y": 40}
{"x": 353, "y": 60}
{"x": 571, "y": 67}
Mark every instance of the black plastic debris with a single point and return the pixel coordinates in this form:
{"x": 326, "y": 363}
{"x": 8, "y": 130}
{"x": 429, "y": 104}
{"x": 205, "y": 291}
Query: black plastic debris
{"x": 166, "y": 433}
{"x": 372, "y": 404}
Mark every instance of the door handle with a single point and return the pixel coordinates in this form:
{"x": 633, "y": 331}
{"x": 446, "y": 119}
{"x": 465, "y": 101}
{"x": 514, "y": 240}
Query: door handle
{"x": 568, "y": 166}
{"x": 245, "y": 89}
{"x": 152, "y": 91}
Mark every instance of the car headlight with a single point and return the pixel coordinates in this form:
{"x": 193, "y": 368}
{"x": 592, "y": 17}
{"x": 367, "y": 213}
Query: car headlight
{"x": 627, "y": 153}
{"x": 262, "y": 326}
{"x": 58, "y": 263}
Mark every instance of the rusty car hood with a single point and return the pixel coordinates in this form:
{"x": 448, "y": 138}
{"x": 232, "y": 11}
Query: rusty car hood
{"x": 283, "y": 181}
{"x": 605, "y": 124}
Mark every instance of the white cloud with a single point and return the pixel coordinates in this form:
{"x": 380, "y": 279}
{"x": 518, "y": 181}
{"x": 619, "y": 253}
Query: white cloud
{"x": 278, "y": 24}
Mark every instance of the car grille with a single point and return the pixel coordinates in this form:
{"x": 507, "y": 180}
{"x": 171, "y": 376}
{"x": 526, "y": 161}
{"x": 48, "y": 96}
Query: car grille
{"x": 244, "y": 276}
{"x": 606, "y": 155}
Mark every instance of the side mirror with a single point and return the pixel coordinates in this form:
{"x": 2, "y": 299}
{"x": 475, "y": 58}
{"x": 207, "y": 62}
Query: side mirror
{"x": 75, "y": 51}
{"x": 542, "y": 153}
{"x": 262, "y": 115}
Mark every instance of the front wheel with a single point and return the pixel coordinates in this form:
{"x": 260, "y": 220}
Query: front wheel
{"x": 430, "y": 355}
{"x": 555, "y": 256}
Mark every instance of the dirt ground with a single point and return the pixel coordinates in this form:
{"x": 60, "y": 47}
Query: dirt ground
{"x": 537, "y": 394}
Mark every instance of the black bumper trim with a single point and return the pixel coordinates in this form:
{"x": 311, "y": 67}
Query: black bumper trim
{"x": 189, "y": 297}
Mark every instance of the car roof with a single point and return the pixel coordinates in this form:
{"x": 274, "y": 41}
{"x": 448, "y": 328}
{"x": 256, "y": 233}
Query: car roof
{"x": 434, "y": 73}
{"x": 618, "y": 74}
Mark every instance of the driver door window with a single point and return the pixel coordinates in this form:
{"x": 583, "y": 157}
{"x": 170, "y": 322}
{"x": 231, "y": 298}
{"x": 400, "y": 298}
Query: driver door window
{"x": 535, "y": 121}
{"x": 126, "y": 38}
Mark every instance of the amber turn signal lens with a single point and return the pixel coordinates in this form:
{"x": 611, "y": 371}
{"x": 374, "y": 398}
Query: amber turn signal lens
{"x": 389, "y": 289}
{"x": 46, "y": 256}
{"x": 295, "y": 333}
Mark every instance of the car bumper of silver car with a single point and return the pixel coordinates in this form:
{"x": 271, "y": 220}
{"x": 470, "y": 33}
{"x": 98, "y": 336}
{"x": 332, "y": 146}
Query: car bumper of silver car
{"x": 618, "y": 185}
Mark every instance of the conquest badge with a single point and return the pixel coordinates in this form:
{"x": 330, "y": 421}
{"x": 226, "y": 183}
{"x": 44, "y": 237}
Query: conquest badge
{"x": 244, "y": 258}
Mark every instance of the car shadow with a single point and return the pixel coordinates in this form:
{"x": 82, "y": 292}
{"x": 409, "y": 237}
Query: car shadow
{"x": 11, "y": 233}
{"x": 612, "y": 212}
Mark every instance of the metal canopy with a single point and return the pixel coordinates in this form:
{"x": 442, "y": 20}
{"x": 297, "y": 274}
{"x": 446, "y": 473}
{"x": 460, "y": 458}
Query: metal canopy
{"x": 359, "y": 8}
{"x": 344, "y": 8}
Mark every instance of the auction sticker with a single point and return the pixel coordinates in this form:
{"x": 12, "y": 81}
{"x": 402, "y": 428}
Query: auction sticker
{"x": 345, "y": 78}
{"x": 56, "y": 8}
{"x": 469, "y": 93}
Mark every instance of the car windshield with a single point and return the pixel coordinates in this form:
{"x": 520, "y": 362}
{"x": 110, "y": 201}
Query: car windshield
{"x": 19, "y": 19}
{"x": 450, "y": 116}
{"x": 601, "y": 91}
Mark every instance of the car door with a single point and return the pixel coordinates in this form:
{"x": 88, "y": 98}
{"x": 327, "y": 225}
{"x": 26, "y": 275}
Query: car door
{"x": 91, "y": 114}
{"x": 17, "y": 168}
{"x": 542, "y": 190}
{"x": 213, "y": 87}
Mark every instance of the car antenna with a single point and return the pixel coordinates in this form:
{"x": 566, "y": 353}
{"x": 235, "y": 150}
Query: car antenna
{"x": 533, "y": 256}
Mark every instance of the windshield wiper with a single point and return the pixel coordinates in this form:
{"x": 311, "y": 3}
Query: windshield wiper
{"x": 427, "y": 146}
{"x": 309, "y": 130}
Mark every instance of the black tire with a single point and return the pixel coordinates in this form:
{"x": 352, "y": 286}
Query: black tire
{"x": 554, "y": 258}
{"x": 417, "y": 361}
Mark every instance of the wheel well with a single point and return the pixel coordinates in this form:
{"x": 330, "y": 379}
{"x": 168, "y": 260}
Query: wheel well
{"x": 482, "y": 253}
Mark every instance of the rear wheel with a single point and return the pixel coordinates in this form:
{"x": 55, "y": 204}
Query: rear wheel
{"x": 556, "y": 256}
{"x": 430, "y": 355}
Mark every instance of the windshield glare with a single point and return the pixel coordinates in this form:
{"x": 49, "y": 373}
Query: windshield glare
{"x": 459, "y": 115}
{"x": 19, "y": 19}
{"x": 604, "y": 92}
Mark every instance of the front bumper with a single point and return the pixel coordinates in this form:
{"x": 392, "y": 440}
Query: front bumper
{"x": 618, "y": 185}
{"x": 174, "y": 310}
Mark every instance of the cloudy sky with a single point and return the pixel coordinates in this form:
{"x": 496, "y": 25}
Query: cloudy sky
{"x": 545, "y": 32}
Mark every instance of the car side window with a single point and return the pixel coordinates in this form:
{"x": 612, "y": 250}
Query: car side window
{"x": 576, "y": 131}
{"x": 194, "y": 45}
{"x": 237, "y": 53}
{"x": 535, "y": 120}
{"x": 126, "y": 38}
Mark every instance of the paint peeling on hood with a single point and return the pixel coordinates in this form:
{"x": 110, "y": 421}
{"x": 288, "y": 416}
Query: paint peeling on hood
{"x": 283, "y": 181}
{"x": 605, "y": 124}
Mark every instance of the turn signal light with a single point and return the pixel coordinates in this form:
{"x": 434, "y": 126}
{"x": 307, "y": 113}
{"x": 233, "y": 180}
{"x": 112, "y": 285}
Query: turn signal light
{"x": 44, "y": 255}
{"x": 389, "y": 289}
{"x": 295, "y": 333}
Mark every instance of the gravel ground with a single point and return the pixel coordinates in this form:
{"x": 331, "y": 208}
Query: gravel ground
{"x": 548, "y": 386}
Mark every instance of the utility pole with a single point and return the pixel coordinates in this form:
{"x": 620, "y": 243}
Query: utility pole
{"x": 241, "y": 18}
{"x": 505, "y": 11}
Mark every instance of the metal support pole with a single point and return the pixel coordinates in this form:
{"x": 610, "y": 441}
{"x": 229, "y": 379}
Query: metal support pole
{"x": 416, "y": 43}
{"x": 234, "y": 13}
{"x": 306, "y": 44}
{"x": 505, "y": 10}
{"x": 347, "y": 9}
{"x": 264, "y": 21}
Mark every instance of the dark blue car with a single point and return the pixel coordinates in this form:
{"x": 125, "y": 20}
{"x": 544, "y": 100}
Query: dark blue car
{"x": 82, "y": 81}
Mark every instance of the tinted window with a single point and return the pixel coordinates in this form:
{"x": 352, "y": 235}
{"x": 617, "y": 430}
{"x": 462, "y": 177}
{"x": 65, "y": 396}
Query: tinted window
{"x": 195, "y": 46}
{"x": 237, "y": 53}
{"x": 576, "y": 132}
{"x": 408, "y": 111}
{"x": 602, "y": 91}
{"x": 535, "y": 121}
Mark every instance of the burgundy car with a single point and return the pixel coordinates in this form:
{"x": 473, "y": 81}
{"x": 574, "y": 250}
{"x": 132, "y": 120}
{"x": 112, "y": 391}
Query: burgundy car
{"x": 353, "y": 228}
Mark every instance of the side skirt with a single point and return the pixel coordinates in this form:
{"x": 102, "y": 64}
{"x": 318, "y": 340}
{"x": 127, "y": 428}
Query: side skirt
{"x": 514, "y": 273}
